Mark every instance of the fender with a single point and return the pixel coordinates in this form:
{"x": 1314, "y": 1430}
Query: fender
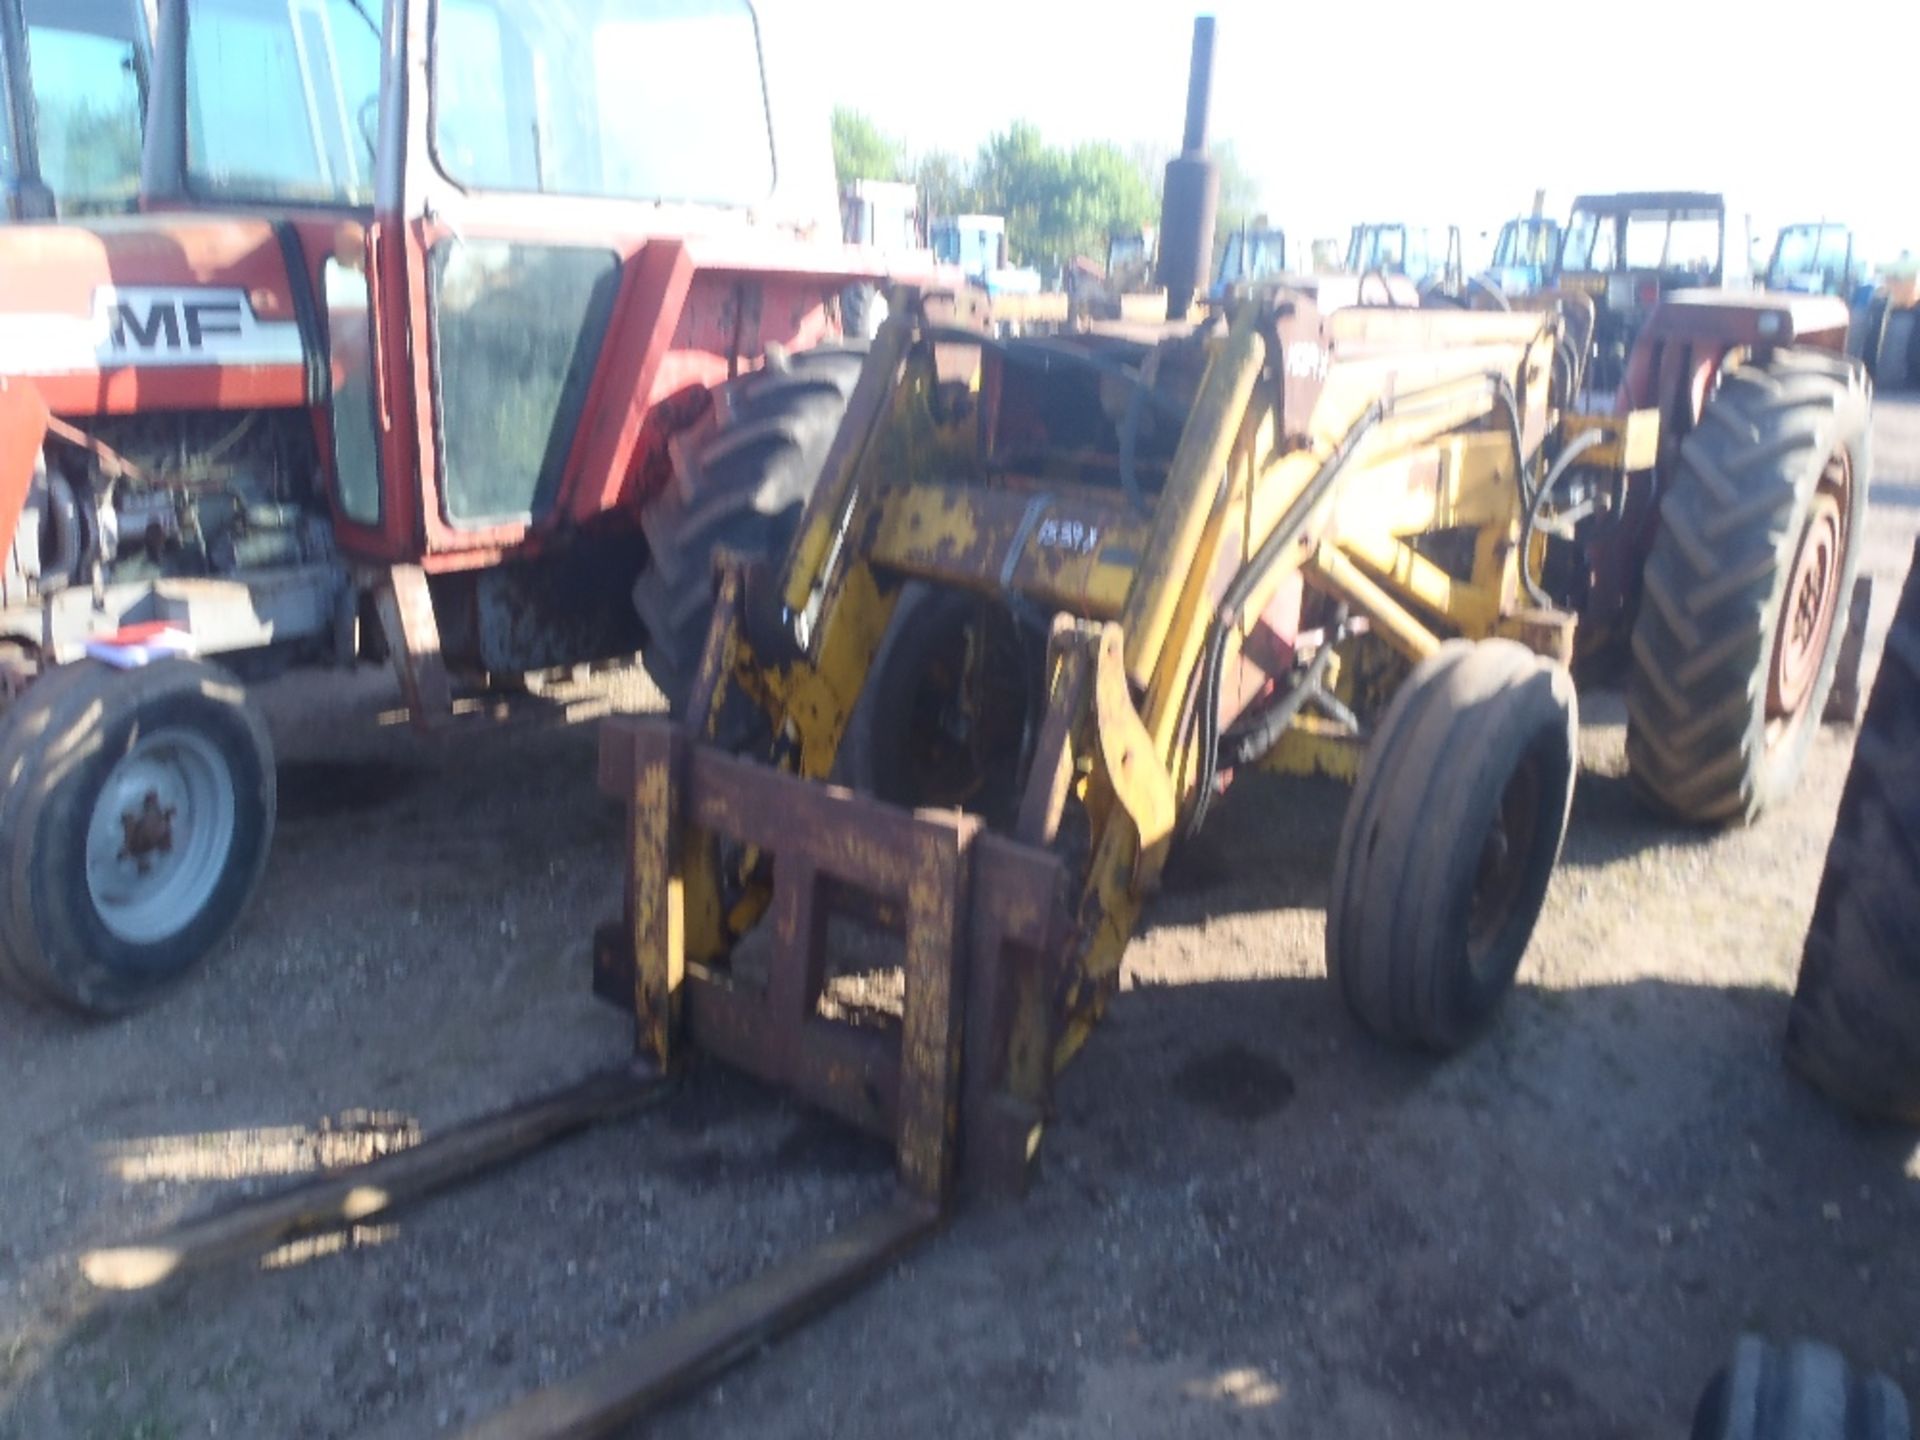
{"x": 23, "y": 430}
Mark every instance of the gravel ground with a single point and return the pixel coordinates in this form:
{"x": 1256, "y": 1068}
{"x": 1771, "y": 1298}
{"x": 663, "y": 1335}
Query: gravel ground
{"x": 1248, "y": 1218}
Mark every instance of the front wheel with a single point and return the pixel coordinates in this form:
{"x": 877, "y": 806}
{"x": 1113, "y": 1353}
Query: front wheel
{"x": 133, "y": 831}
{"x": 1450, "y": 838}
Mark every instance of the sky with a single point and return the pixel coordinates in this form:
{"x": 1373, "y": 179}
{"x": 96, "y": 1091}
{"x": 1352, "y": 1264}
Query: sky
{"x": 1451, "y": 111}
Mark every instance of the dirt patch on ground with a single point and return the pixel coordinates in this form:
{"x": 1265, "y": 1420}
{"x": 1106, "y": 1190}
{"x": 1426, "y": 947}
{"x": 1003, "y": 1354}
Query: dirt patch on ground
{"x": 1248, "y": 1218}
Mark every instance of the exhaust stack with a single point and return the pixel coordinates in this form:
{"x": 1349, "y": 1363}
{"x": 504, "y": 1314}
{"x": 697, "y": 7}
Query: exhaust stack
{"x": 1191, "y": 199}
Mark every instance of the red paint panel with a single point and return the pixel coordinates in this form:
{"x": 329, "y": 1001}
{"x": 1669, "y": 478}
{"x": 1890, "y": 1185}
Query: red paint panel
{"x": 23, "y": 429}
{"x": 627, "y": 385}
{"x": 56, "y": 268}
{"x": 186, "y": 387}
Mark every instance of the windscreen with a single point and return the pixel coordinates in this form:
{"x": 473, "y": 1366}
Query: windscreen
{"x": 283, "y": 99}
{"x": 1670, "y": 241}
{"x": 629, "y": 99}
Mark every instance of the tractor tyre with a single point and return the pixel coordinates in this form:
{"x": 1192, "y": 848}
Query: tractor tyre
{"x": 1854, "y": 1029}
{"x": 1802, "y": 1391}
{"x": 1449, "y": 841}
{"x": 134, "y": 828}
{"x": 1744, "y": 597}
{"x": 744, "y": 487}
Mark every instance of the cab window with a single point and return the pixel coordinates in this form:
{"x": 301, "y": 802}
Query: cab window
{"x": 282, "y": 99}
{"x": 625, "y": 99}
{"x": 88, "y": 64}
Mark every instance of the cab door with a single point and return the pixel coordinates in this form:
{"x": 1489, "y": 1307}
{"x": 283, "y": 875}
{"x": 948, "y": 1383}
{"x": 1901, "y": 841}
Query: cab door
{"x": 552, "y": 156}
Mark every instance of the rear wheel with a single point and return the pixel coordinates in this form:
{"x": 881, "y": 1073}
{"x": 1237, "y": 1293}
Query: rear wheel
{"x": 743, "y": 488}
{"x": 1854, "y": 1030}
{"x": 1802, "y": 1391}
{"x": 1743, "y": 597}
{"x": 1450, "y": 839}
{"x": 134, "y": 831}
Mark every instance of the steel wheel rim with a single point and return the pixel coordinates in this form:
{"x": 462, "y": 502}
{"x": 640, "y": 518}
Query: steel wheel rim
{"x": 1810, "y": 604}
{"x": 1506, "y": 862}
{"x": 160, "y": 836}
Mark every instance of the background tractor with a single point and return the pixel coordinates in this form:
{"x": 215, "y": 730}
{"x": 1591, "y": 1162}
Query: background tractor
{"x": 1815, "y": 258}
{"x": 1526, "y": 257}
{"x": 1255, "y": 252}
{"x": 412, "y": 355}
{"x": 1428, "y": 255}
{"x": 1629, "y": 251}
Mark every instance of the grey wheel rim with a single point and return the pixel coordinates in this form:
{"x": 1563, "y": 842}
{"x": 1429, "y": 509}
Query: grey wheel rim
{"x": 160, "y": 836}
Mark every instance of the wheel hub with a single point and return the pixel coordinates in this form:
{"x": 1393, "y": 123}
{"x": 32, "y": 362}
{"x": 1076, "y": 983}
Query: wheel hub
{"x": 160, "y": 836}
{"x": 1505, "y": 858}
{"x": 1807, "y": 611}
{"x": 149, "y": 831}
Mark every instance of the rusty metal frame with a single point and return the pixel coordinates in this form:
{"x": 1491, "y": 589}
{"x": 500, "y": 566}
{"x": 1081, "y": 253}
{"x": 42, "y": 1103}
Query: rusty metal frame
{"x": 972, "y": 907}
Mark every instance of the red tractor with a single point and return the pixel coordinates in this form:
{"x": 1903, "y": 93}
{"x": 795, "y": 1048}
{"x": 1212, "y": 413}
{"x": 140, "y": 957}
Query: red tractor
{"x": 456, "y": 334}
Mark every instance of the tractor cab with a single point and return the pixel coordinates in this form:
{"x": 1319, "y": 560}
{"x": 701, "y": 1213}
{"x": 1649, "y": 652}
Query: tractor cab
{"x": 482, "y": 246}
{"x": 1255, "y": 251}
{"x": 1526, "y": 257}
{"x": 73, "y": 94}
{"x": 1629, "y": 250}
{"x": 1815, "y": 259}
{"x": 1428, "y": 255}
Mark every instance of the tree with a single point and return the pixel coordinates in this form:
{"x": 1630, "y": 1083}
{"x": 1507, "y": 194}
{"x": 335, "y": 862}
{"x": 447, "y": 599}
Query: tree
{"x": 1240, "y": 199}
{"x": 862, "y": 152}
{"x": 1059, "y": 203}
{"x": 945, "y": 186}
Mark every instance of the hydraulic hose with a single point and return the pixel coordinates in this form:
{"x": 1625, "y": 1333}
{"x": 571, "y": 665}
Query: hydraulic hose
{"x": 1244, "y": 747}
{"x": 1536, "y": 506}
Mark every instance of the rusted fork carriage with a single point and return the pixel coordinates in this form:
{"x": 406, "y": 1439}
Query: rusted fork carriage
{"x": 1265, "y": 583}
